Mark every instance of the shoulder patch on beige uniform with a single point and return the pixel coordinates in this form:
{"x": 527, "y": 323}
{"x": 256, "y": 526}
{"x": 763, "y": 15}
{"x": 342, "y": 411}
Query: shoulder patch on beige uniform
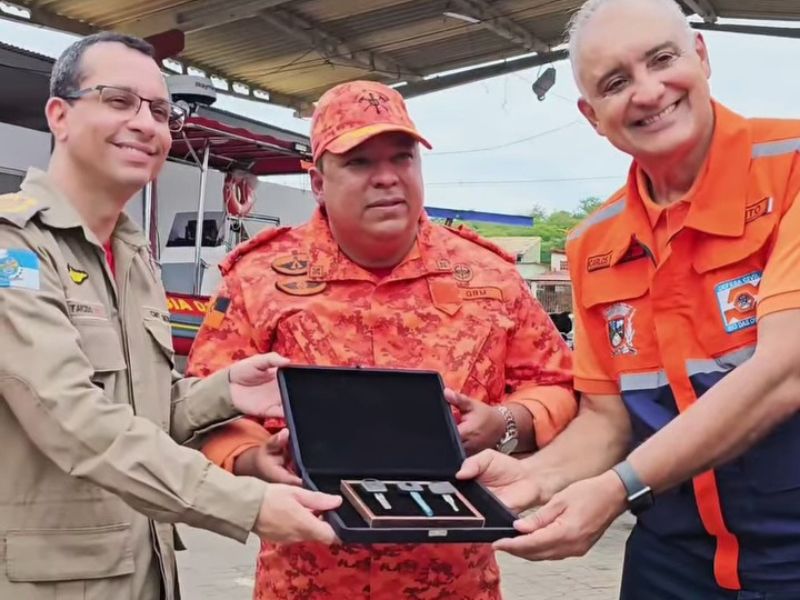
{"x": 18, "y": 209}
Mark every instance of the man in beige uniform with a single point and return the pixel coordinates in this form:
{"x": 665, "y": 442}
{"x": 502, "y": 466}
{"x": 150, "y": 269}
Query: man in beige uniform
{"x": 91, "y": 476}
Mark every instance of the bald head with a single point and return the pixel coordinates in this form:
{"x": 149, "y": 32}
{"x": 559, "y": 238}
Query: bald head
{"x": 643, "y": 77}
{"x": 592, "y": 15}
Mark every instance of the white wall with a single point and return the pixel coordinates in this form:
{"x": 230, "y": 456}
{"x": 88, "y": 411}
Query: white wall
{"x": 557, "y": 260}
{"x": 21, "y": 148}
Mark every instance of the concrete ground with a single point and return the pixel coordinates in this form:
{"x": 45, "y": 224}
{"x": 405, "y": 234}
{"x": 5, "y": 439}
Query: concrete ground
{"x": 215, "y": 568}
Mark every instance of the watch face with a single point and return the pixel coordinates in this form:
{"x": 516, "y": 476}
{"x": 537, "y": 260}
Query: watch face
{"x": 507, "y": 446}
{"x": 641, "y": 501}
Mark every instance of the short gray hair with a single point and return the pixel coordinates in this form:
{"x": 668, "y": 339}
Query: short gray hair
{"x": 586, "y": 12}
{"x": 67, "y": 74}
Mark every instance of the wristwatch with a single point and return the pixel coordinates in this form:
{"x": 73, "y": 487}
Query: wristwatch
{"x": 640, "y": 496}
{"x": 508, "y": 443}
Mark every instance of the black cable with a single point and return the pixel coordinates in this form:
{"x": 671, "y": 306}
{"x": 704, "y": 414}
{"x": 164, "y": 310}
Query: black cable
{"x": 507, "y": 144}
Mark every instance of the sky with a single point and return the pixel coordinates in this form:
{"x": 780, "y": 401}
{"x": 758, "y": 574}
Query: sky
{"x": 497, "y": 148}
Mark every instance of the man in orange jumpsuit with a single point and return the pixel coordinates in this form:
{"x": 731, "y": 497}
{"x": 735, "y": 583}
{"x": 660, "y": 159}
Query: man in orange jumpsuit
{"x": 687, "y": 347}
{"x": 370, "y": 281}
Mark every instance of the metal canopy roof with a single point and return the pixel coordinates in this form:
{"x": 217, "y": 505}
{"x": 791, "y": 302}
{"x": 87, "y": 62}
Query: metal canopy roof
{"x": 235, "y": 141}
{"x": 295, "y": 49}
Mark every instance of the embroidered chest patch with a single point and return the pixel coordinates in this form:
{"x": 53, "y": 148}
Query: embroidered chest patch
{"x": 621, "y": 332}
{"x": 78, "y": 276}
{"x": 737, "y": 299}
{"x": 19, "y": 268}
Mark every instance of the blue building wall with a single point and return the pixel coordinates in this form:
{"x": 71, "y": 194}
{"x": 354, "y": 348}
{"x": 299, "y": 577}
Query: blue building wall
{"x": 475, "y": 215}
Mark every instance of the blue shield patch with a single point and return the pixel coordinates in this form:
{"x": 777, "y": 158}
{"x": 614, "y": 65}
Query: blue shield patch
{"x": 737, "y": 300}
{"x": 19, "y": 268}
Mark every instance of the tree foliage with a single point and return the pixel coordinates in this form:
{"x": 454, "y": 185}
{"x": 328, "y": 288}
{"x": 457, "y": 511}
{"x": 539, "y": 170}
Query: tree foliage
{"x": 551, "y": 227}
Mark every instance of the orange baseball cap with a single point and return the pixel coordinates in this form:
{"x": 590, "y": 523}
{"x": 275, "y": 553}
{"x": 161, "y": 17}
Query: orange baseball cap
{"x": 351, "y": 113}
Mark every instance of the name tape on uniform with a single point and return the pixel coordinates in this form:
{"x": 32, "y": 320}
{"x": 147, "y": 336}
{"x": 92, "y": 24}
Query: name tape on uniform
{"x": 86, "y": 310}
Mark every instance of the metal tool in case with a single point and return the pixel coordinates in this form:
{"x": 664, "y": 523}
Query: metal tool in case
{"x": 377, "y": 489}
{"x": 414, "y": 488}
{"x": 445, "y": 489}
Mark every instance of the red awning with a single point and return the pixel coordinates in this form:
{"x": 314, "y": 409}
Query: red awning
{"x": 237, "y": 148}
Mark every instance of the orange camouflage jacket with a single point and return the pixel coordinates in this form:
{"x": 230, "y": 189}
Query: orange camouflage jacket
{"x": 456, "y": 304}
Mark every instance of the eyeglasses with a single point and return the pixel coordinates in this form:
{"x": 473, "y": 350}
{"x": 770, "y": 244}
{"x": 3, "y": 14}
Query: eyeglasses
{"x": 129, "y": 102}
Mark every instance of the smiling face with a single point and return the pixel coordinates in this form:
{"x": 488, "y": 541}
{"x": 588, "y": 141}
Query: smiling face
{"x": 112, "y": 145}
{"x": 644, "y": 80}
{"x": 372, "y": 194}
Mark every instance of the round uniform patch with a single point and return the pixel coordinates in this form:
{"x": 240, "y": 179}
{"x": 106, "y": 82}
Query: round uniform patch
{"x": 291, "y": 264}
{"x": 301, "y": 287}
{"x": 462, "y": 273}
{"x": 9, "y": 267}
{"x": 745, "y": 302}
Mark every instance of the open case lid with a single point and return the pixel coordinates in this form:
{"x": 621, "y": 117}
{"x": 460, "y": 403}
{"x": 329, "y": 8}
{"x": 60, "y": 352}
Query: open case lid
{"x": 369, "y": 422}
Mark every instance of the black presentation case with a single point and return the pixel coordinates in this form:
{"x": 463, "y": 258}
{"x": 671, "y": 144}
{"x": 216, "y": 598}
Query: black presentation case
{"x": 348, "y": 424}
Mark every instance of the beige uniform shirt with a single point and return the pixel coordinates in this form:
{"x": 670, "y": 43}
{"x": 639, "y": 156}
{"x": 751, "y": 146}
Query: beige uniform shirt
{"x": 91, "y": 476}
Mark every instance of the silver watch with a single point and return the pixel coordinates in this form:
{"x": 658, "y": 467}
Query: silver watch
{"x": 508, "y": 443}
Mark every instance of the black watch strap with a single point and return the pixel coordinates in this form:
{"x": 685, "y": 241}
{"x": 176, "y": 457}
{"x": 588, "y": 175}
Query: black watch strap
{"x": 640, "y": 496}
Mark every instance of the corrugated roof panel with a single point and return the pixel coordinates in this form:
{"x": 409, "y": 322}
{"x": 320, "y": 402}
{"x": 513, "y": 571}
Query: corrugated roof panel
{"x": 418, "y": 34}
{"x": 104, "y": 13}
{"x": 326, "y": 10}
{"x": 447, "y": 52}
{"x": 391, "y": 16}
{"x": 323, "y": 79}
{"x": 550, "y": 28}
{"x": 26, "y": 52}
{"x": 414, "y": 33}
{"x": 763, "y": 9}
{"x": 254, "y": 32}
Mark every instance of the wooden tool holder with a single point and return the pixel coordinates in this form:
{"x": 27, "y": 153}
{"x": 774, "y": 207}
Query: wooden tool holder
{"x": 405, "y": 513}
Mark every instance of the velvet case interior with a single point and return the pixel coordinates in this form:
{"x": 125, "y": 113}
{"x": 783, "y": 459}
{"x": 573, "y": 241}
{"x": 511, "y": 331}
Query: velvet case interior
{"x": 353, "y": 423}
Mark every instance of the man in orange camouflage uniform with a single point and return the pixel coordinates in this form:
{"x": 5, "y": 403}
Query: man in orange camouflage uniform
{"x": 370, "y": 281}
